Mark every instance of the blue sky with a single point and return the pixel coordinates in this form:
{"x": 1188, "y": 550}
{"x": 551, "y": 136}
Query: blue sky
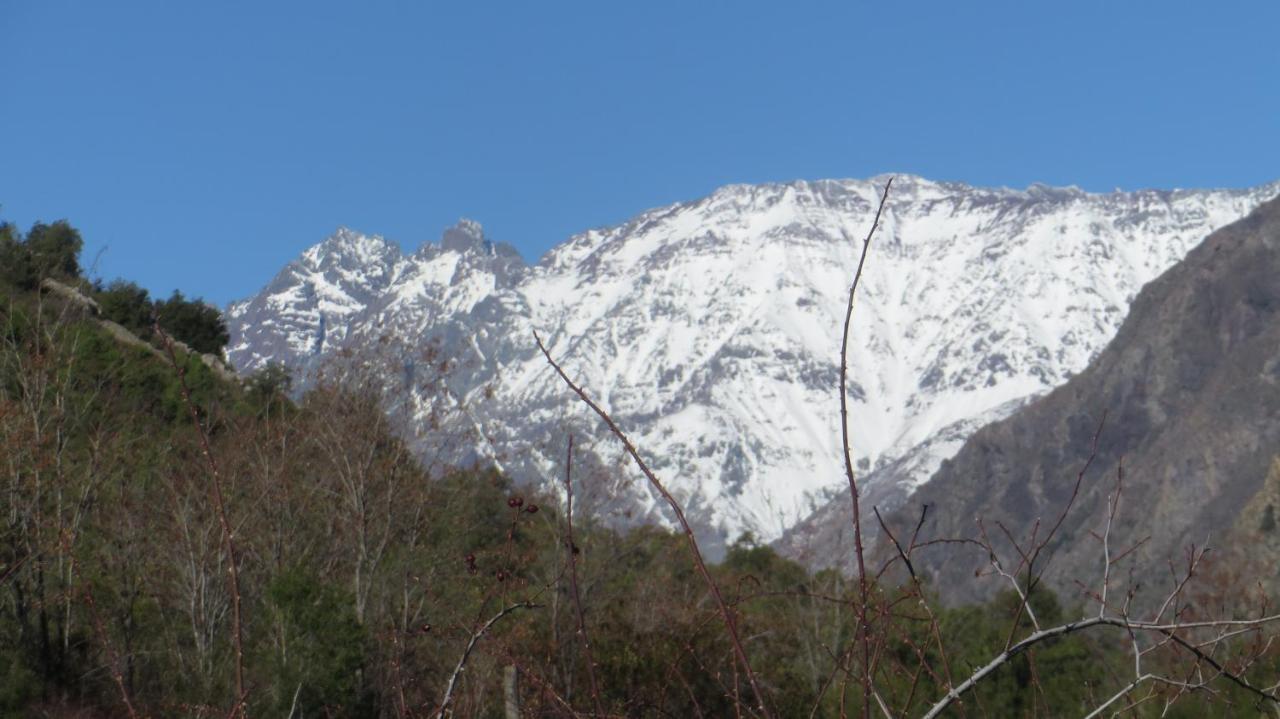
{"x": 203, "y": 145}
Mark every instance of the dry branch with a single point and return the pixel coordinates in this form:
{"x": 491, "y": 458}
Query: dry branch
{"x": 863, "y": 628}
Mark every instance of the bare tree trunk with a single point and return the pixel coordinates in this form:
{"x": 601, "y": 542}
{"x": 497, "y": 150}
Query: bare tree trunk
{"x": 511, "y": 692}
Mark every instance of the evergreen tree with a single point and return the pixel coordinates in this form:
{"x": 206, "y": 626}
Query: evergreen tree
{"x": 55, "y": 250}
{"x": 127, "y": 304}
{"x": 15, "y": 259}
{"x": 197, "y": 324}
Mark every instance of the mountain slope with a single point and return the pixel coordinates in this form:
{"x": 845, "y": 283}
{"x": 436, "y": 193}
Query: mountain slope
{"x": 710, "y": 329}
{"x": 1191, "y": 388}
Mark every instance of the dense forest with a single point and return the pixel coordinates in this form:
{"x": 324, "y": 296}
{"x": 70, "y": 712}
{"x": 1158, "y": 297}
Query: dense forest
{"x": 176, "y": 544}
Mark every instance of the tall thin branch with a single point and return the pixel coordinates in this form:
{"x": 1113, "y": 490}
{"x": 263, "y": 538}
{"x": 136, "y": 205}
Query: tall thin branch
{"x": 863, "y": 629}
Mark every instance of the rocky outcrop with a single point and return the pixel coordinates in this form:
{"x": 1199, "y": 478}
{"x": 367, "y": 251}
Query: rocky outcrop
{"x": 1191, "y": 391}
{"x": 90, "y": 306}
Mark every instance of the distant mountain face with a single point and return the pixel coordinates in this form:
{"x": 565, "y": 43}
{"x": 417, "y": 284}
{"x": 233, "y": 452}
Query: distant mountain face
{"x": 711, "y": 330}
{"x": 329, "y": 294}
{"x": 1191, "y": 390}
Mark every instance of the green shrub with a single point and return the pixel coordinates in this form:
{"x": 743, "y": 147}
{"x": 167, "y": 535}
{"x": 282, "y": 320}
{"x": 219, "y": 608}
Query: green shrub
{"x": 55, "y": 249}
{"x": 197, "y": 324}
{"x": 127, "y": 304}
{"x": 319, "y": 649}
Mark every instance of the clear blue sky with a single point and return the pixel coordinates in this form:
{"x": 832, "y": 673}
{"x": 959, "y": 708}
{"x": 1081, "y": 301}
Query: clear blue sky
{"x": 204, "y": 144}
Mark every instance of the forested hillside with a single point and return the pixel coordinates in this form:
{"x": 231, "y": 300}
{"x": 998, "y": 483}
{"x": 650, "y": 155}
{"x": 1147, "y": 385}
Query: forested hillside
{"x": 176, "y": 544}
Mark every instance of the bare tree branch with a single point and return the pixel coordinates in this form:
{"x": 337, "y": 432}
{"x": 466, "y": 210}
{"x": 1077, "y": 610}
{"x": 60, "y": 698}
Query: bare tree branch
{"x": 863, "y": 628}
{"x": 466, "y": 653}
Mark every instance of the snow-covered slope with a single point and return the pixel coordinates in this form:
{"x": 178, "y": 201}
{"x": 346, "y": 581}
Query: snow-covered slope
{"x": 710, "y": 329}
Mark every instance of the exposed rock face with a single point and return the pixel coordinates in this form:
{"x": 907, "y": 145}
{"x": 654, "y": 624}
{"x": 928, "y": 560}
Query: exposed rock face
{"x": 1191, "y": 388}
{"x": 710, "y": 329}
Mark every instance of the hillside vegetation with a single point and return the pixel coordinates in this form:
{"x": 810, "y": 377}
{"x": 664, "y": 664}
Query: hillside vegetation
{"x": 174, "y": 544}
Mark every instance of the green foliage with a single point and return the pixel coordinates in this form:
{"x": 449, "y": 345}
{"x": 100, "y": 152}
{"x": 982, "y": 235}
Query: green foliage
{"x": 1054, "y": 678}
{"x": 55, "y": 249}
{"x": 191, "y": 322}
{"x": 128, "y": 305}
{"x": 46, "y": 251}
{"x": 19, "y": 683}
{"x": 315, "y": 660}
{"x": 760, "y": 563}
{"x": 267, "y": 390}
{"x": 16, "y": 268}
{"x": 197, "y": 324}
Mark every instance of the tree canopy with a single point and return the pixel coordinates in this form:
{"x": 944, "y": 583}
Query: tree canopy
{"x": 47, "y": 250}
{"x": 197, "y": 324}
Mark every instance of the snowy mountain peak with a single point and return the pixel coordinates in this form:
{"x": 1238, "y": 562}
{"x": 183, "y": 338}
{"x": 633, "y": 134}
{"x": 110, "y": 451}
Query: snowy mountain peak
{"x": 465, "y": 236}
{"x": 710, "y": 328}
{"x": 347, "y": 247}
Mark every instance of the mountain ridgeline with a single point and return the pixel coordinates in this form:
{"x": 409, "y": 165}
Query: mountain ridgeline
{"x": 1190, "y": 389}
{"x": 710, "y": 330}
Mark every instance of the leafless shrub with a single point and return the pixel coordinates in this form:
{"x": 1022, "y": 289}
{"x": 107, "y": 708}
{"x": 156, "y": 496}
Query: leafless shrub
{"x": 224, "y": 523}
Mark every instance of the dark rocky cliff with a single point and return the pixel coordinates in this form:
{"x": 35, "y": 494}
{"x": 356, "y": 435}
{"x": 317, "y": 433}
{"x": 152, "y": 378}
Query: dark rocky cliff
{"x": 1191, "y": 388}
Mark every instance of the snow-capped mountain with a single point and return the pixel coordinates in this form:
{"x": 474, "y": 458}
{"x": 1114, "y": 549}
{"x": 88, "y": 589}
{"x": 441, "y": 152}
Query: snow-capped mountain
{"x": 316, "y": 302}
{"x": 711, "y": 329}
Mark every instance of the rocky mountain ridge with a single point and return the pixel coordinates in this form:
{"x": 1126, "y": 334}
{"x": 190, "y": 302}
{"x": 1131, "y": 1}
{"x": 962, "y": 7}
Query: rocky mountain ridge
{"x": 1186, "y": 398}
{"x": 710, "y": 330}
